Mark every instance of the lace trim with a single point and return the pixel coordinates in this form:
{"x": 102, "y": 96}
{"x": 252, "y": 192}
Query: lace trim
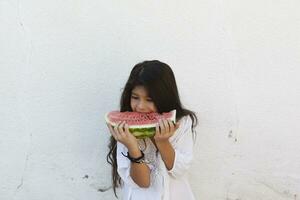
{"x": 151, "y": 157}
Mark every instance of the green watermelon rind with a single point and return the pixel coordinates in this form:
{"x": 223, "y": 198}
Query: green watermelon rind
{"x": 143, "y": 131}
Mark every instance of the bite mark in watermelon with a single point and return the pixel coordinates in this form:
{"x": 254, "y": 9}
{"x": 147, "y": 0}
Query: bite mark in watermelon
{"x": 141, "y": 125}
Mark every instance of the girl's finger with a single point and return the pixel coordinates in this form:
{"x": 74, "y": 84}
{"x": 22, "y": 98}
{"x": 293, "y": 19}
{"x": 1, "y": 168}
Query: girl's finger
{"x": 157, "y": 132}
{"x": 127, "y": 129}
{"x": 162, "y": 127}
{"x": 116, "y": 128}
{"x": 166, "y": 125}
{"x": 109, "y": 127}
{"x": 111, "y": 130}
{"x": 172, "y": 127}
{"x": 121, "y": 128}
{"x": 177, "y": 124}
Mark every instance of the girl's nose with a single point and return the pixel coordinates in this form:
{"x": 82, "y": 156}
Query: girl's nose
{"x": 141, "y": 105}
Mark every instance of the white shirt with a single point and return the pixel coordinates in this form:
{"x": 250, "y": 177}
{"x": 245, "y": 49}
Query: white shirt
{"x": 164, "y": 184}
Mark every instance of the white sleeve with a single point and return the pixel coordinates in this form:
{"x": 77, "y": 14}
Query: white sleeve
{"x": 124, "y": 166}
{"x": 183, "y": 145}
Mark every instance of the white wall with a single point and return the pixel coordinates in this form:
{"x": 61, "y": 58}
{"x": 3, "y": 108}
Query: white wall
{"x": 64, "y": 63}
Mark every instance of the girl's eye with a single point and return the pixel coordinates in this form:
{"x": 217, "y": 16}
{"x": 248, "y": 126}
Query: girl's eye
{"x": 134, "y": 97}
{"x": 150, "y": 100}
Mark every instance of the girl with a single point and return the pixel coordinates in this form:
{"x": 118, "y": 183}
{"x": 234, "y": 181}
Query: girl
{"x": 153, "y": 168}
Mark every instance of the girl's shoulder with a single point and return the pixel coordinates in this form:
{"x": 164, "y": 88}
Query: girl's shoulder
{"x": 185, "y": 124}
{"x": 185, "y": 121}
{"x": 184, "y": 130}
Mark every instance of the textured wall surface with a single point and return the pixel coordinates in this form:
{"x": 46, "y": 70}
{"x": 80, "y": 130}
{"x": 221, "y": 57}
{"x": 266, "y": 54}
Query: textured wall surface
{"x": 63, "y": 65}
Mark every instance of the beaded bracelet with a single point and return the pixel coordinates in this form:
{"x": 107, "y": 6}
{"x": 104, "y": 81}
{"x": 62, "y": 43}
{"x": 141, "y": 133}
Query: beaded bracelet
{"x": 135, "y": 160}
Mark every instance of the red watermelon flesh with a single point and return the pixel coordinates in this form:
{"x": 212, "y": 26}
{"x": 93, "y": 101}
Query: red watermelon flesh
{"x": 141, "y": 125}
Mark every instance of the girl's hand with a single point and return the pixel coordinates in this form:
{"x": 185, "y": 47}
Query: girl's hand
{"x": 164, "y": 130}
{"x": 121, "y": 133}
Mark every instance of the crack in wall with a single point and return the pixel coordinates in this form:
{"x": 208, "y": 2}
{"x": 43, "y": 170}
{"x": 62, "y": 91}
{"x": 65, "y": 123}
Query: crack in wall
{"x": 19, "y": 187}
{"x": 25, "y": 32}
{"x": 28, "y": 56}
{"x": 285, "y": 193}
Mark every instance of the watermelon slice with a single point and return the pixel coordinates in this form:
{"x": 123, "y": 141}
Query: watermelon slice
{"x": 141, "y": 125}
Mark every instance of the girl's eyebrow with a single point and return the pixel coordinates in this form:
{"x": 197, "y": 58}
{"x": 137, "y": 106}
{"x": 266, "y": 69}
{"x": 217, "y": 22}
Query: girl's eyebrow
{"x": 132, "y": 93}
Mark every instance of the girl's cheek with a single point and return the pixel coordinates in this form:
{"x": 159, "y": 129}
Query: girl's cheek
{"x": 153, "y": 108}
{"x": 133, "y": 104}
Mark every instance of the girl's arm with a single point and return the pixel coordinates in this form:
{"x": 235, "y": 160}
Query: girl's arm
{"x": 167, "y": 153}
{"x": 164, "y": 130}
{"x": 139, "y": 172}
{"x": 183, "y": 144}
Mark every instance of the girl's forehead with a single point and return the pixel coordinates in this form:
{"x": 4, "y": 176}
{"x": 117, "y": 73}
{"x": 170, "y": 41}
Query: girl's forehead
{"x": 140, "y": 90}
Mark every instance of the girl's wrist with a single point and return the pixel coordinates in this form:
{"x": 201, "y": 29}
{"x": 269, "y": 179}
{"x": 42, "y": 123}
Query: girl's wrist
{"x": 134, "y": 151}
{"x": 161, "y": 144}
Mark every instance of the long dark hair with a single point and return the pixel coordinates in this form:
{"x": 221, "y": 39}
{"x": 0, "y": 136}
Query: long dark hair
{"x": 158, "y": 79}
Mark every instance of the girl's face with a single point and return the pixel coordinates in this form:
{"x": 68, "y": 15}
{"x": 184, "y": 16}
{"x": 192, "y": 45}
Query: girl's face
{"x": 140, "y": 101}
